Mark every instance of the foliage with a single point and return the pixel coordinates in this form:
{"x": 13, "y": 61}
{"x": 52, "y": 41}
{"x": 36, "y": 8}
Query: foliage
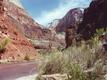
{"x": 27, "y": 58}
{"x": 100, "y": 32}
{"x": 96, "y": 38}
{"x": 75, "y": 72}
{"x": 3, "y": 44}
{"x": 74, "y": 60}
{"x": 70, "y": 61}
{"x": 51, "y": 63}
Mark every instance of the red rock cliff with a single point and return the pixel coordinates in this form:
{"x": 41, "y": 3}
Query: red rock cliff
{"x": 29, "y": 27}
{"x": 73, "y": 17}
{"x": 10, "y": 26}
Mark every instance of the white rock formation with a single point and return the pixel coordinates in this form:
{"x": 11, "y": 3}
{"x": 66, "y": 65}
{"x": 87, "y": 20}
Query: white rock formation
{"x": 17, "y": 2}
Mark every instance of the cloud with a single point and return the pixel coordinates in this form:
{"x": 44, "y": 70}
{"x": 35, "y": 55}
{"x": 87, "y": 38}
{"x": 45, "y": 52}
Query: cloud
{"x": 57, "y": 13}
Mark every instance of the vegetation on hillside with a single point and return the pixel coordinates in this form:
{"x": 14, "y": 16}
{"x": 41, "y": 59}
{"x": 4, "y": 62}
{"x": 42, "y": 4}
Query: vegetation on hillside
{"x": 3, "y": 44}
{"x": 80, "y": 62}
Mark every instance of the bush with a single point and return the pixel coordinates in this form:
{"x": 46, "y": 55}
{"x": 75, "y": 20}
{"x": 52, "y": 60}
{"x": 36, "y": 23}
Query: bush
{"x": 59, "y": 63}
{"x": 27, "y": 58}
{"x": 71, "y": 61}
{"x": 74, "y": 60}
{"x": 75, "y": 73}
{"x": 3, "y": 44}
{"x": 51, "y": 63}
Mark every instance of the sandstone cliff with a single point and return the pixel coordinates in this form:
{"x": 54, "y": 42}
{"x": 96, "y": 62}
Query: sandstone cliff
{"x": 73, "y": 17}
{"x": 18, "y": 47}
{"x": 28, "y": 26}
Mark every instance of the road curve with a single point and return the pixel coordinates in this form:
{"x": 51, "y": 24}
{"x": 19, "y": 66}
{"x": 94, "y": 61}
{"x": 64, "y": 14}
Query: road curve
{"x": 13, "y": 71}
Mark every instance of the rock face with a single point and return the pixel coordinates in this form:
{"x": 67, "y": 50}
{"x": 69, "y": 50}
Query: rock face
{"x": 18, "y": 47}
{"x": 28, "y": 26}
{"x": 73, "y": 17}
{"x": 95, "y": 17}
{"x": 69, "y": 25}
{"x": 50, "y": 40}
{"x": 17, "y": 2}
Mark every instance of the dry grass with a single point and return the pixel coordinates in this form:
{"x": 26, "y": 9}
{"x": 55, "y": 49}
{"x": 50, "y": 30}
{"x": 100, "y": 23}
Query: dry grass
{"x": 74, "y": 60}
{"x": 71, "y": 61}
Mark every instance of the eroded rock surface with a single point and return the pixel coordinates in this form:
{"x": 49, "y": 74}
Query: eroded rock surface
{"x": 19, "y": 46}
{"x": 73, "y": 17}
{"x": 69, "y": 24}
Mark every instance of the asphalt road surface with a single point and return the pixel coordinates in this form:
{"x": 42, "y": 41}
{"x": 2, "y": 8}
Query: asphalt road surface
{"x": 14, "y": 71}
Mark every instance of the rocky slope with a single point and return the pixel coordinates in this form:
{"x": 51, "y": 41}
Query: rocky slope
{"x": 17, "y": 2}
{"x": 28, "y": 26}
{"x": 32, "y": 29}
{"x": 18, "y": 47}
{"x": 69, "y": 24}
{"x": 95, "y": 17}
{"x": 73, "y": 17}
{"x": 25, "y": 26}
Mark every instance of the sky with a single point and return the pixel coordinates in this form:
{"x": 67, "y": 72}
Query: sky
{"x": 45, "y": 11}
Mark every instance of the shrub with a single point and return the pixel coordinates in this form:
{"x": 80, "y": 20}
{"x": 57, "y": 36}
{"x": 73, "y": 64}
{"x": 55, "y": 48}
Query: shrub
{"x": 27, "y": 58}
{"x": 3, "y": 44}
{"x": 51, "y": 63}
{"x": 100, "y": 32}
{"x": 74, "y": 60}
{"x": 75, "y": 73}
{"x": 70, "y": 61}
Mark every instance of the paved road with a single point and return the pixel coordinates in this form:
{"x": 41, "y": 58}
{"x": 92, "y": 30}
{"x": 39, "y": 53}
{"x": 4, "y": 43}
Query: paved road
{"x": 13, "y": 71}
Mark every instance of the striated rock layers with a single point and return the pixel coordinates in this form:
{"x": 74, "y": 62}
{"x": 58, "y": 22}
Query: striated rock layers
{"x": 32, "y": 29}
{"x": 27, "y": 25}
{"x": 73, "y": 17}
{"x": 10, "y": 27}
{"x": 69, "y": 24}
